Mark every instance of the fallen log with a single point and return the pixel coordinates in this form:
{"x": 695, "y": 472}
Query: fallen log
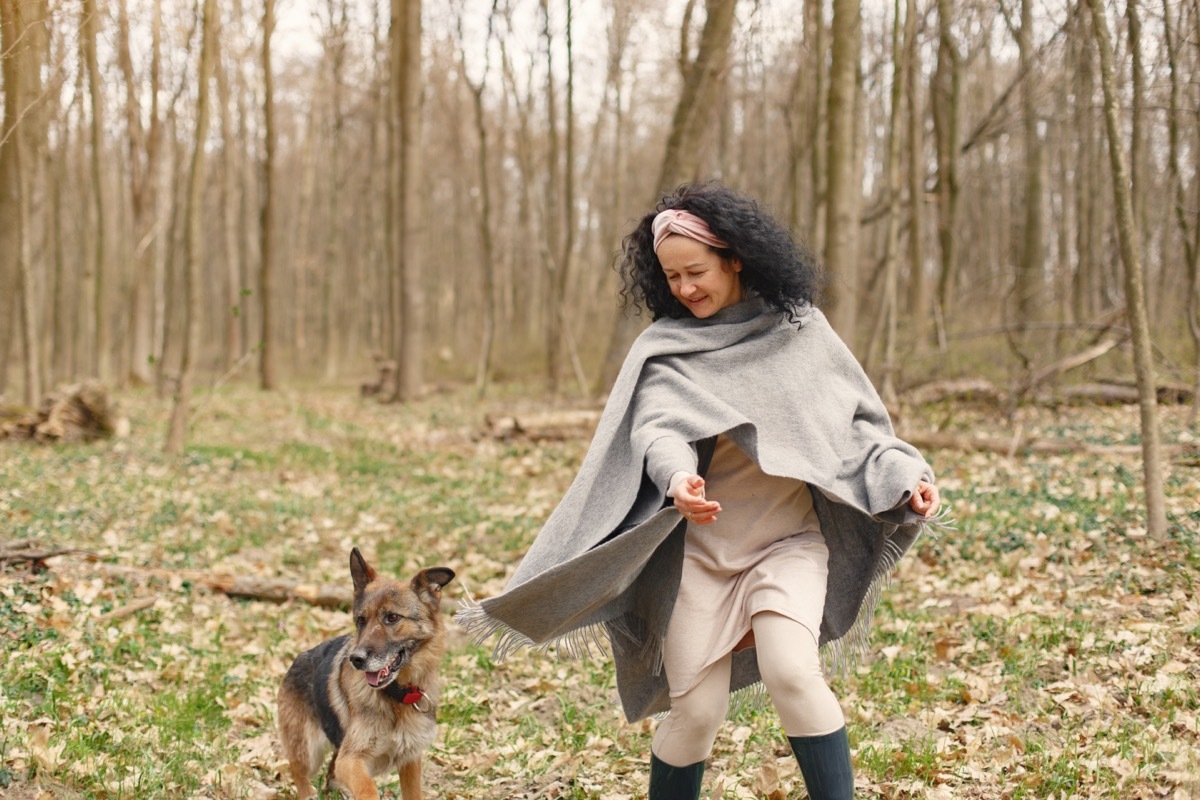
{"x": 81, "y": 412}
{"x": 1107, "y": 393}
{"x": 965, "y": 390}
{"x": 554, "y": 425}
{"x": 250, "y": 587}
{"x": 34, "y": 551}
{"x": 278, "y": 590}
{"x": 1116, "y": 393}
{"x": 1010, "y": 446}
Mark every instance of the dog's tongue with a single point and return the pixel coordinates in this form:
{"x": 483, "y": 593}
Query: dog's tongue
{"x": 376, "y": 678}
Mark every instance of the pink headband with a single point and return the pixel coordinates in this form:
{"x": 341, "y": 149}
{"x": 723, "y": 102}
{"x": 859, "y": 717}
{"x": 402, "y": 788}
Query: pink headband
{"x": 685, "y": 223}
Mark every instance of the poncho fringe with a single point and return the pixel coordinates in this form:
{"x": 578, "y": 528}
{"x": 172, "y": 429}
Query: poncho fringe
{"x": 838, "y": 656}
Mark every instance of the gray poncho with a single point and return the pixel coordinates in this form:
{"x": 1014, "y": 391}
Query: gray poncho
{"x": 795, "y": 400}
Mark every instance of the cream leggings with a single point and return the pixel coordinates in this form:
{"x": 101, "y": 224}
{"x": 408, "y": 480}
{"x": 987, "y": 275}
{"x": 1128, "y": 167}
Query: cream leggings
{"x": 791, "y": 672}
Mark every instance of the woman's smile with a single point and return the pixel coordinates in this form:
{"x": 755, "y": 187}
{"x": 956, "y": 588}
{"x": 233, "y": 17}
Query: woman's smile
{"x": 699, "y": 277}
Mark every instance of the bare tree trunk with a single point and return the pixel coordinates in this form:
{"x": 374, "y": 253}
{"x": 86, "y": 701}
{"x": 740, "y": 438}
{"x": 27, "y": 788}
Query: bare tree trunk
{"x": 553, "y": 232}
{"x": 567, "y": 249}
{"x": 143, "y": 191}
{"x": 66, "y": 289}
{"x": 1137, "y": 141}
{"x": 697, "y": 99}
{"x": 268, "y": 360}
{"x": 335, "y": 251}
{"x": 891, "y": 281}
{"x": 918, "y": 287}
{"x": 29, "y": 289}
{"x": 194, "y": 240}
{"x": 804, "y": 119}
{"x": 23, "y": 43}
{"x": 408, "y": 306}
{"x": 844, "y": 196}
{"x": 1191, "y": 246}
{"x": 1029, "y": 269}
{"x": 1085, "y": 301}
{"x": 946, "y": 93}
{"x": 1156, "y": 518}
{"x": 230, "y": 208}
{"x": 483, "y": 210}
{"x": 89, "y": 28}
{"x": 701, "y": 83}
{"x": 12, "y": 24}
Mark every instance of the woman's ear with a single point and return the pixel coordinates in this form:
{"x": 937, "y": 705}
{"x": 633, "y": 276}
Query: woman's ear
{"x": 735, "y": 264}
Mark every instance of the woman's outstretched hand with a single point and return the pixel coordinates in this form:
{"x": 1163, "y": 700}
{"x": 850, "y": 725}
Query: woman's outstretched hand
{"x": 925, "y": 500}
{"x": 689, "y": 499}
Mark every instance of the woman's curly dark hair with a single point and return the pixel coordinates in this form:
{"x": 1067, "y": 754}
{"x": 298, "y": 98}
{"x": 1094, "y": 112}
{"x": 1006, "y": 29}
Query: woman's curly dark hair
{"x": 777, "y": 268}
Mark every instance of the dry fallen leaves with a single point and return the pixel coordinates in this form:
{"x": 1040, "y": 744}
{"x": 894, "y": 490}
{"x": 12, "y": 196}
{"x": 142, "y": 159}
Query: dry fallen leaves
{"x": 1043, "y": 640}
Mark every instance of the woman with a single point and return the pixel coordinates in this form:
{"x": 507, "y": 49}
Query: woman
{"x": 742, "y": 498}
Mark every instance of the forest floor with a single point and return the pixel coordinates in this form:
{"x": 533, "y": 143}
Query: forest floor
{"x": 1045, "y": 648}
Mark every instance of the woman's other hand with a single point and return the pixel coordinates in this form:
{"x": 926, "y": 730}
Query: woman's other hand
{"x": 925, "y": 500}
{"x": 689, "y": 499}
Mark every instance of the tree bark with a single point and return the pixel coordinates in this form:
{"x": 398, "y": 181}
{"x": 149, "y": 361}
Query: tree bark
{"x": 194, "y": 240}
{"x": 334, "y": 280}
{"x": 888, "y": 325}
{"x": 268, "y": 376}
{"x": 844, "y": 196}
{"x": 1156, "y": 519}
{"x": 102, "y": 331}
{"x": 143, "y": 191}
{"x": 947, "y": 84}
{"x": 559, "y": 233}
{"x": 918, "y": 287}
{"x": 483, "y": 209}
{"x": 408, "y": 297}
{"x": 23, "y": 41}
{"x": 1189, "y": 235}
{"x": 1137, "y": 139}
{"x": 12, "y": 25}
{"x": 230, "y": 310}
{"x": 1085, "y": 295}
{"x": 1029, "y": 269}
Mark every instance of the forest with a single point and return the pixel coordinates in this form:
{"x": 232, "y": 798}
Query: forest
{"x": 445, "y": 188}
{"x": 335, "y": 273}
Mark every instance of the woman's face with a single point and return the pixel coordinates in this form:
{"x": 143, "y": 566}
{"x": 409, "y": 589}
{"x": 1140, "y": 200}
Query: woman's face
{"x": 699, "y": 277}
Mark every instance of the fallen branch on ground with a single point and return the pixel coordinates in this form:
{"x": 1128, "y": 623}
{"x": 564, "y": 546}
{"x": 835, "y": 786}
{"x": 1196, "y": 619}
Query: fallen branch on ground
{"x": 1012, "y": 445}
{"x": 250, "y": 587}
{"x": 77, "y": 413}
{"x": 543, "y": 425}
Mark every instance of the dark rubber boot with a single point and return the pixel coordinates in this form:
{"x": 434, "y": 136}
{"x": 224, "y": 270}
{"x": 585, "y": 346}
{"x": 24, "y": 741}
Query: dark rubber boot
{"x": 825, "y": 763}
{"x": 674, "y": 783}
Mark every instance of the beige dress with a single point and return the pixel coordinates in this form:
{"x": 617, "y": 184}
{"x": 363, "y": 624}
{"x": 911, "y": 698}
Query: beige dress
{"x": 764, "y": 552}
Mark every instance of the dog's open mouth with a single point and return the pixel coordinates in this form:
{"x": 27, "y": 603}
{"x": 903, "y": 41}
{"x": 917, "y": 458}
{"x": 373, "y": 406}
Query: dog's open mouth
{"x": 381, "y": 678}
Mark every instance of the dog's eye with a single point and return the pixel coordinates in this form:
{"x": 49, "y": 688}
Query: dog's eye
{"x": 392, "y": 619}
{"x": 360, "y": 622}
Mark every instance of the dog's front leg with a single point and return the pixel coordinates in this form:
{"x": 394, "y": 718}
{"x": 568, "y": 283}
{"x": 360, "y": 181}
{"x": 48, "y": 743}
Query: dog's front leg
{"x": 352, "y": 774}
{"x": 410, "y": 780}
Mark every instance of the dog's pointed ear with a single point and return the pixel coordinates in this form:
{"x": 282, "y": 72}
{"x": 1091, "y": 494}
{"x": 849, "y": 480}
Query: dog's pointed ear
{"x": 360, "y": 571}
{"x": 428, "y": 583}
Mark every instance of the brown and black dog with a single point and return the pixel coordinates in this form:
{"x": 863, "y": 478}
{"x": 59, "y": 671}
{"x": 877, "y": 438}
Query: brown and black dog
{"x": 371, "y": 695}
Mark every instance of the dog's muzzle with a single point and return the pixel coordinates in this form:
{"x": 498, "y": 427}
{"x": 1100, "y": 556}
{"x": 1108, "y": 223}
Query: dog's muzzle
{"x": 380, "y": 678}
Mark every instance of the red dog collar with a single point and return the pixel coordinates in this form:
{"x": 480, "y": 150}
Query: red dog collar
{"x": 408, "y": 695}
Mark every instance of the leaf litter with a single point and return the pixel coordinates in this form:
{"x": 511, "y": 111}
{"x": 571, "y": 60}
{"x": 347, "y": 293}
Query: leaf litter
{"x": 1043, "y": 648}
